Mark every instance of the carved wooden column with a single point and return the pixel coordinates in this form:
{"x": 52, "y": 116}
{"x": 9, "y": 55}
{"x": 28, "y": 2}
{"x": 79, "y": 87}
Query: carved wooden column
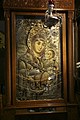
{"x": 7, "y": 87}
{"x": 72, "y": 107}
{"x": 7, "y": 113}
{"x": 70, "y": 54}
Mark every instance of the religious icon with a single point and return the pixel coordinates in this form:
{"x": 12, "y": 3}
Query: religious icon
{"x": 38, "y": 70}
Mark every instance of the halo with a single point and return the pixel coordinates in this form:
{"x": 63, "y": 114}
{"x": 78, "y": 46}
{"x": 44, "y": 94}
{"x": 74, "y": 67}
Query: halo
{"x": 37, "y": 31}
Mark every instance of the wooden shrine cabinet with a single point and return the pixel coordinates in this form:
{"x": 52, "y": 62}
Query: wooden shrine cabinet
{"x": 39, "y": 61}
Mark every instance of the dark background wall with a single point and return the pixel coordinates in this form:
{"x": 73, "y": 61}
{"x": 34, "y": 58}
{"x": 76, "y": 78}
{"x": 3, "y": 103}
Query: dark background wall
{"x": 2, "y": 50}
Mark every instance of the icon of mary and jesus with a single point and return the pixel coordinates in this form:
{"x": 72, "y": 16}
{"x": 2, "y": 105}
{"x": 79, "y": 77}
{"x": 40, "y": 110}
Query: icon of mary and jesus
{"x": 38, "y": 64}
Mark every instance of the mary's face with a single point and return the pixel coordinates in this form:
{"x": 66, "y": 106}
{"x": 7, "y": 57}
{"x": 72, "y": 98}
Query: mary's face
{"x": 39, "y": 46}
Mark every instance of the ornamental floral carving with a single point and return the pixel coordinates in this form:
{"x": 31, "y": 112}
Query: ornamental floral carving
{"x": 26, "y": 4}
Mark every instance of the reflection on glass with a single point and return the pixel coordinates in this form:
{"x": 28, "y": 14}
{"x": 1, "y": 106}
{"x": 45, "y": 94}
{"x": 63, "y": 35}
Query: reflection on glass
{"x": 38, "y": 59}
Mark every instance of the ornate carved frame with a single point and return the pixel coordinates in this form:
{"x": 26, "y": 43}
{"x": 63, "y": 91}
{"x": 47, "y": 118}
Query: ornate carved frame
{"x": 66, "y": 7}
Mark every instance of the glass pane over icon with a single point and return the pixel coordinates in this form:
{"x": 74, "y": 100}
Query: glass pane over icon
{"x": 38, "y": 59}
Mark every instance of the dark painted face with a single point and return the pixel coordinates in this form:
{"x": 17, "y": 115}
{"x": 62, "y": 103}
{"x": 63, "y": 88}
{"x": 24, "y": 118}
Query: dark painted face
{"x": 39, "y": 46}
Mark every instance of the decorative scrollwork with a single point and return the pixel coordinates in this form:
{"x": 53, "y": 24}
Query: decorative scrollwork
{"x": 26, "y": 4}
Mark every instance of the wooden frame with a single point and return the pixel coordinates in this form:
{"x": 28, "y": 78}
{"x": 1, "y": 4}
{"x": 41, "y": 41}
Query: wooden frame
{"x": 12, "y": 80}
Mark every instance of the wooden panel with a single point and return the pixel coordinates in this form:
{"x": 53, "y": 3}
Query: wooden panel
{"x": 29, "y": 4}
{"x": 46, "y": 116}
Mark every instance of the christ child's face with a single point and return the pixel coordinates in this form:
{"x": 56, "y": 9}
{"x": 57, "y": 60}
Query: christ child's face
{"x": 49, "y": 54}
